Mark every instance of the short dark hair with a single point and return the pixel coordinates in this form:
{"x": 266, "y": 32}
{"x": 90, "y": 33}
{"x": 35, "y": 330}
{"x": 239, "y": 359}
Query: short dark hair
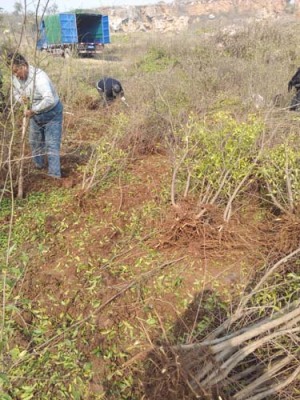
{"x": 16, "y": 59}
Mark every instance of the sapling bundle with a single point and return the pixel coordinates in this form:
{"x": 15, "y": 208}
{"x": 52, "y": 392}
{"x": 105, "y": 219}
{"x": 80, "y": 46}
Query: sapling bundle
{"x": 254, "y": 354}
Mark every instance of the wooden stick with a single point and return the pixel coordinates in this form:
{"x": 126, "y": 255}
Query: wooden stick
{"x": 21, "y": 176}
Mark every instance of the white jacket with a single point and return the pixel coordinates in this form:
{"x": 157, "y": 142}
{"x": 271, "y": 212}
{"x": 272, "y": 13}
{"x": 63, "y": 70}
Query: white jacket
{"x": 38, "y": 88}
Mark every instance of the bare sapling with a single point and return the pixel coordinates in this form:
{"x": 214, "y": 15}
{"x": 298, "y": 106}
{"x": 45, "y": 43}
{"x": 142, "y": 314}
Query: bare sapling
{"x": 21, "y": 164}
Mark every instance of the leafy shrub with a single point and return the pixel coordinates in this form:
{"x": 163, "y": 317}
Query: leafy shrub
{"x": 107, "y": 155}
{"x": 280, "y": 173}
{"x": 214, "y": 156}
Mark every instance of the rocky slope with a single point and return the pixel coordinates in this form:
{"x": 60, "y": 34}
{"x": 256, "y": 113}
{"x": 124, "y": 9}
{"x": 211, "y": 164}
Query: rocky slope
{"x": 180, "y": 14}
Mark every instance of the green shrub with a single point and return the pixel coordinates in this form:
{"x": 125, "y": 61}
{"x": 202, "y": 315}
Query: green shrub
{"x": 280, "y": 173}
{"x": 156, "y": 59}
{"x": 216, "y": 155}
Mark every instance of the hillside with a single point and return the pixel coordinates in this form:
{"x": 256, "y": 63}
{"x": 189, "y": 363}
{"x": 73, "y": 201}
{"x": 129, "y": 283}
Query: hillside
{"x": 180, "y": 14}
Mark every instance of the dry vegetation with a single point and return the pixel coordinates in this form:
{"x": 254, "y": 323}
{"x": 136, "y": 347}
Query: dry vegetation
{"x": 165, "y": 264}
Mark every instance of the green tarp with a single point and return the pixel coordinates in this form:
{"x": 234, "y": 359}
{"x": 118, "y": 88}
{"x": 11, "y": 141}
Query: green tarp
{"x": 53, "y": 31}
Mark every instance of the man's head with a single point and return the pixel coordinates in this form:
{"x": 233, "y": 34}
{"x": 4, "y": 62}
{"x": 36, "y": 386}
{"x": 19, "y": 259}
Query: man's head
{"x": 116, "y": 89}
{"x": 19, "y": 65}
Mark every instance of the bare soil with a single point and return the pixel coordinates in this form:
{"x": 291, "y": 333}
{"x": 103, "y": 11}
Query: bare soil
{"x": 220, "y": 256}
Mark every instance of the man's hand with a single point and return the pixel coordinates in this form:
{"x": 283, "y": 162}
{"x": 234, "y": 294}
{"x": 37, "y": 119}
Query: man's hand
{"x": 124, "y": 101}
{"x": 29, "y": 113}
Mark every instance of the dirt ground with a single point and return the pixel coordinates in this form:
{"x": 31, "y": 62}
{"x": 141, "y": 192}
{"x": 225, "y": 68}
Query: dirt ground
{"x": 202, "y": 256}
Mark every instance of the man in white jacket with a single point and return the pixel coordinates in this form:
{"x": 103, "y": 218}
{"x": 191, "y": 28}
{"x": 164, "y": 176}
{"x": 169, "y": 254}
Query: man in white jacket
{"x": 33, "y": 88}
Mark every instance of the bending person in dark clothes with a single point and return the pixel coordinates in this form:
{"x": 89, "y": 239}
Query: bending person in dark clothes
{"x": 295, "y": 82}
{"x": 110, "y": 89}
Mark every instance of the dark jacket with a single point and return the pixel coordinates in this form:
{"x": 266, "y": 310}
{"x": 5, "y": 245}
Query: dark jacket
{"x": 110, "y": 88}
{"x": 295, "y": 81}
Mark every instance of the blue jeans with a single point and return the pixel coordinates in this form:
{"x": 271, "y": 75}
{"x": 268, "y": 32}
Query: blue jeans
{"x": 45, "y": 131}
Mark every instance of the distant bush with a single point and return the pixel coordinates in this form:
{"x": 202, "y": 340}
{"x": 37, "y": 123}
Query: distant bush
{"x": 156, "y": 59}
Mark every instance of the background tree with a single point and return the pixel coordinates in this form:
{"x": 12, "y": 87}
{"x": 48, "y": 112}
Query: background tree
{"x": 53, "y": 9}
{"x": 18, "y": 8}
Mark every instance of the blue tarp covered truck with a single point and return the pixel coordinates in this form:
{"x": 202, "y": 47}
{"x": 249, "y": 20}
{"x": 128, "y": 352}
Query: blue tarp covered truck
{"x": 73, "y": 33}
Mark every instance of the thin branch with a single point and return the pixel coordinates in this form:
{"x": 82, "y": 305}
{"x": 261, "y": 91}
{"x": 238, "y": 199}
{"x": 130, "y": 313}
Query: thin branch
{"x": 252, "y": 388}
{"x": 276, "y": 388}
